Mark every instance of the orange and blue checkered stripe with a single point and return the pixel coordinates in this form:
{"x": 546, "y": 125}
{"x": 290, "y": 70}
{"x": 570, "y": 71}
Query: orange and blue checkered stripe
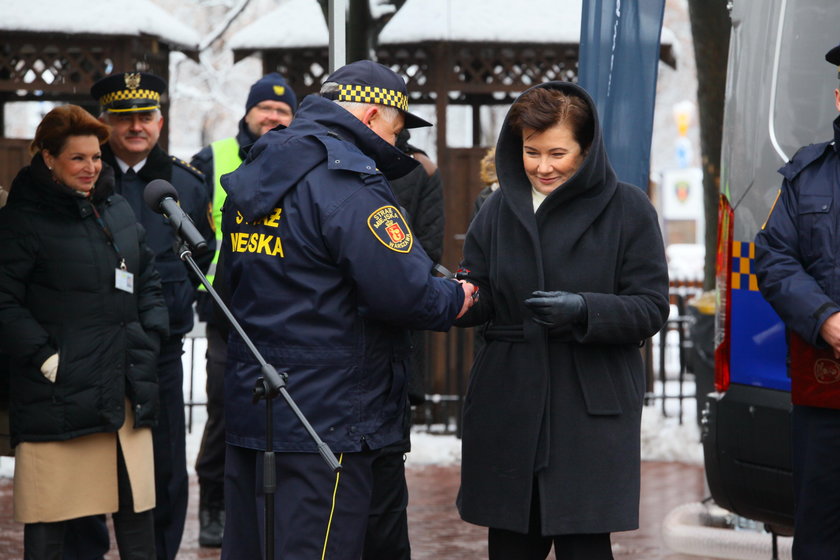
{"x": 743, "y": 257}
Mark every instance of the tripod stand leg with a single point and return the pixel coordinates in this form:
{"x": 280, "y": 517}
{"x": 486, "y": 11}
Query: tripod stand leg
{"x": 269, "y": 478}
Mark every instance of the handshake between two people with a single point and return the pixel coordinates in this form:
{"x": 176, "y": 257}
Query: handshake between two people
{"x": 470, "y": 296}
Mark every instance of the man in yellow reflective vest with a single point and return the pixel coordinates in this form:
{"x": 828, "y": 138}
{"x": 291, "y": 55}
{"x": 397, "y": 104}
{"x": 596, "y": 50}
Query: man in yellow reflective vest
{"x": 271, "y": 102}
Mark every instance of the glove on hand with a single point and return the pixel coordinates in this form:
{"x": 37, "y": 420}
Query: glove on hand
{"x": 557, "y": 309}
{"x": 50, "y": 367}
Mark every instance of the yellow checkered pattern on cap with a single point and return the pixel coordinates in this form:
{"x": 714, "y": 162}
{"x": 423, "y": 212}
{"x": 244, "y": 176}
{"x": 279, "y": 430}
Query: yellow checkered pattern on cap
{"x": 124, "y": 94}
{"x": 373, "y": 94}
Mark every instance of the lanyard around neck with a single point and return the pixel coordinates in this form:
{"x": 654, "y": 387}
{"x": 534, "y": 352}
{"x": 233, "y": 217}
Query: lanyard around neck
{"x": 110, "y": 236}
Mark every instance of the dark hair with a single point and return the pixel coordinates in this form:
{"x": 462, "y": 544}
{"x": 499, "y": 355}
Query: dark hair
{"x": 542, "y": 108}
{"x": 65, "y": 121}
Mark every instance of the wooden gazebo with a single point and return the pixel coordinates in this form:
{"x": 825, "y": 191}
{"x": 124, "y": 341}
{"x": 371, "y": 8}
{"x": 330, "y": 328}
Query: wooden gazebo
{"x": 54, "y": 50}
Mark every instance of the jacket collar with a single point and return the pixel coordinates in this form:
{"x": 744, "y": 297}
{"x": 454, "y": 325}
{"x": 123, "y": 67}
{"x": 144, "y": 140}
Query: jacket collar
{"x": 317, "y": 115}
{"x": 322, "y": 133}
{"x": 35, "y": 184}
{"x": 158, "y": 164}
{"x": 245, "y": 138}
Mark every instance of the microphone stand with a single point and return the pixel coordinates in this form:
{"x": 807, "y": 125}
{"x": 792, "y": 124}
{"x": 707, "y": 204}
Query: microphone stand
{"x": 267, "y": 387}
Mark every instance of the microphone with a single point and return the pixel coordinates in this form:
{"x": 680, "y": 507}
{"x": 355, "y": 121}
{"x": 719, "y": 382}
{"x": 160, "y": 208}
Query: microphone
{"x": 162, "y": 197}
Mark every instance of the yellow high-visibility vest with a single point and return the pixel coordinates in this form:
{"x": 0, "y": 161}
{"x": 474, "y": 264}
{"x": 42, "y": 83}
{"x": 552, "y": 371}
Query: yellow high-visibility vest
{"x": 225, "y": 159}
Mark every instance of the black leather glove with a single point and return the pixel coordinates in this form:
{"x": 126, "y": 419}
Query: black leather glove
{"x": 557, "y": 309}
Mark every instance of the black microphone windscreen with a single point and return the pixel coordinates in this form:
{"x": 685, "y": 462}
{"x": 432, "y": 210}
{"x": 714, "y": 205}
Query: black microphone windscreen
{"x": 157, "y": 190}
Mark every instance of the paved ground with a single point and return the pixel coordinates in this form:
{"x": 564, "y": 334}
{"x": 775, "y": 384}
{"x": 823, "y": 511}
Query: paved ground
{"x": 436, "y": 531}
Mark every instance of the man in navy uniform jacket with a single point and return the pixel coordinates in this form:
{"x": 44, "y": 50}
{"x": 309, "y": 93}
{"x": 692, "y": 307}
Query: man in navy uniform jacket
{"x": 796, "y": 264}
{"x": 326, "y": 278}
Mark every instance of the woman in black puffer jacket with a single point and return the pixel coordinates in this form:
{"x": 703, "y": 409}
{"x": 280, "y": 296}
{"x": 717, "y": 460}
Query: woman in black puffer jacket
{"x": 81, "y": 314}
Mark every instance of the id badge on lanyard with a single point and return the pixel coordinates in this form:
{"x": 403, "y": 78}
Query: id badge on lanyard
{"x": 123, "y": 279}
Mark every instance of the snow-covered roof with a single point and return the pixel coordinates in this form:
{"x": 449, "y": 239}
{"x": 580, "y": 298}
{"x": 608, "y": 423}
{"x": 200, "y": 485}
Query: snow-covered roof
{"x": 112, "y": 17}
{"x": 296, "y": 23}
{"x": 495, "y": 21}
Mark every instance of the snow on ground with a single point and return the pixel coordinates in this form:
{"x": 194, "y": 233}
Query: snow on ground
{"x": 665, "y": 439}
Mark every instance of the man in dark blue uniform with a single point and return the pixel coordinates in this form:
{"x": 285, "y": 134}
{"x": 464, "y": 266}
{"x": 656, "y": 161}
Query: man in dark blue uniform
{"x": 327, "y": 278}
{"x": 796, "y": 263}
{"x": 271, "y": 102}
{"x": 130, "y": 104}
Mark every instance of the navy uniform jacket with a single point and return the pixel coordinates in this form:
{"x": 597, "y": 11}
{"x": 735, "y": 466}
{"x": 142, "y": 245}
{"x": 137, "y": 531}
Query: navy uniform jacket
{"x": 327, "y": 279}
{"x": 178, "y": 283}
{"x": 796, "y": 252}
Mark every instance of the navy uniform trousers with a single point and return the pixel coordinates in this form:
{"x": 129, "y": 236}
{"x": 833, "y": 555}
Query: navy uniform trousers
{"x": 210, "y": 463}
{"x": 318, "y": 513}
{"x": 169, "y": 439}
{"x": 816, "y": 483}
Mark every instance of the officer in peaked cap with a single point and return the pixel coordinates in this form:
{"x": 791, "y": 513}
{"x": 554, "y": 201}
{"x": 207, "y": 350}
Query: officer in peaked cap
{"x": 130, "y": 103}
{"x": 800, "y": 282}
{"x": 325, "y": 274}
{"x": 833, "y": 56}
{"x": 129, "y": 92}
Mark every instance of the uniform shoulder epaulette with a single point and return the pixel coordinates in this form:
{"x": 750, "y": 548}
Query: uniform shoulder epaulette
{"x": 184, "y": 165}
{"x": 803, "y": 157}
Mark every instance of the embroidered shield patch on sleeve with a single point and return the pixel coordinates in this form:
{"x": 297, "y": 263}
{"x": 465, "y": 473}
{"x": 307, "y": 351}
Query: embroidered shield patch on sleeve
{"x": 389, "y": 227}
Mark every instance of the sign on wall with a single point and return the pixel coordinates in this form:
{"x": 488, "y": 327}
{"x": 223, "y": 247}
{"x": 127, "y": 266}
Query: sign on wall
{"x": 682, "y": 194}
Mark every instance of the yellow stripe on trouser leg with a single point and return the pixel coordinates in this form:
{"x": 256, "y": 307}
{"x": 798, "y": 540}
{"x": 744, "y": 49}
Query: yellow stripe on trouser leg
{"x": 332, "y": 509}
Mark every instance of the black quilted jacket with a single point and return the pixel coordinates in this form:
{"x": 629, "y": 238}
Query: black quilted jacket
{"x": 57, "y": 294}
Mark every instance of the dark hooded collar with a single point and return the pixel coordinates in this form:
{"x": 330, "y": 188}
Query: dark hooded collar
{"x": 323, "y": 133}
{"x": 245, "y": 138}
{"x": 595, "y": 177}
{"x": 35, "y": 183}
{"x": 316, "y": 114}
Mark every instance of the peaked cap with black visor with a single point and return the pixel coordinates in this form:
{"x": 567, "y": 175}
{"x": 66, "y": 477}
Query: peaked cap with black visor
{"x": 833, "y": 57}
{"x": 129, "y": 92}
{"x": 365, "y": 81}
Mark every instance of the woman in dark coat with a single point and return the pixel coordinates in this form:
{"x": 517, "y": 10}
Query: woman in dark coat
{"x": 81, "y": 315}
{"x": 573, "y": 279}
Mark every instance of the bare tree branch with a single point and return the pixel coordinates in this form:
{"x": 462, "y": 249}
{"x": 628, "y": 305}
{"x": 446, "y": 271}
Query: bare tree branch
{"x": 224, "y": 25}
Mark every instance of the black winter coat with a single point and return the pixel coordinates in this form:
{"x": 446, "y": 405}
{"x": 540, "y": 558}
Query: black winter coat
{"x": 560, "y": 408}
{"x": 421, "y": 196}
{"x": 57, "y": 294}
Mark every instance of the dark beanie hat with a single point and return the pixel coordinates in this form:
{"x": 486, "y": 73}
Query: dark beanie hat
{"x": 271, "y": 86}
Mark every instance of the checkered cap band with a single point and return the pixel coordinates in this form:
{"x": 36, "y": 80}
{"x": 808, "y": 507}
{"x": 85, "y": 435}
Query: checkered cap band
{"x": 126, "y": 94}
{"x": 373, "y": 94}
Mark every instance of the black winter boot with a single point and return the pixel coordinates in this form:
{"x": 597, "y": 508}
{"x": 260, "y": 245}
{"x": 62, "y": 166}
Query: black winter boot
{"x": 135, "y": 534}
{"x": 211, "y": 517}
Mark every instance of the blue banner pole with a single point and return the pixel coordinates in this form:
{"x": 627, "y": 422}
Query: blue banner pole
{"x": 618, "y": 65}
